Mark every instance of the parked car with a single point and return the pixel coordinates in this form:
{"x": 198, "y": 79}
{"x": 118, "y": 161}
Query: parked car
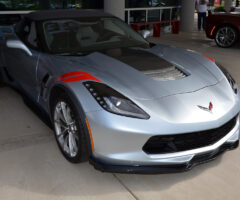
{"x": 115, "y": 99}
{"x": 224, "y": 28}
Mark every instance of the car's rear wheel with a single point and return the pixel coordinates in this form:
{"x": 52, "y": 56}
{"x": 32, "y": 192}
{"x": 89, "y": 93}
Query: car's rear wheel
{"x": 226, "y": 36}
{"x": 69, "y": 130}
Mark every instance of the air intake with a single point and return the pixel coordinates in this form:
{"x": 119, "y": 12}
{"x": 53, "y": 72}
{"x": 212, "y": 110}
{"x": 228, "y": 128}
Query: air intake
{"x": 165, "y": 74}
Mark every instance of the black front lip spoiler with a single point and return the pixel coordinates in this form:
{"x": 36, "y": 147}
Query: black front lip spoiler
{"x": 160, "y": 169}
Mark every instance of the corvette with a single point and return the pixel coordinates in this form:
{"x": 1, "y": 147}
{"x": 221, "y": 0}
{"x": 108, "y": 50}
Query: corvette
{"x": 224, "y": 28}
{"x": 115, "y": 99}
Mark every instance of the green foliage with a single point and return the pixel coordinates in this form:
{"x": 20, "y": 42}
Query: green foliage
{"x": 219, "y": 8}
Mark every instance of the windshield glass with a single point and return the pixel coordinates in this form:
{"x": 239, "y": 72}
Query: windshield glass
{"x": 81, "y": 36}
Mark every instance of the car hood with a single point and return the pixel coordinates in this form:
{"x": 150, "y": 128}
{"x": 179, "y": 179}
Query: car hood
{"x": 128, "y": 72}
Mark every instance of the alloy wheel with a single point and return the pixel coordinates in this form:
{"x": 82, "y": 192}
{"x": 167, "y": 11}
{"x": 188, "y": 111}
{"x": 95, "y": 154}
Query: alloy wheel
{"x": 225, "y": 36}
{"x": 66, "y": 129}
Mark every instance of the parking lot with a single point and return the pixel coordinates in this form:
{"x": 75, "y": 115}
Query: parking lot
{"x": 32, "y": 167}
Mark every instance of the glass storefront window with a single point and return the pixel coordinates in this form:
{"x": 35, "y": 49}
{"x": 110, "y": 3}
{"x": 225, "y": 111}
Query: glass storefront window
{"x": 37, "y": 4}
{"x": 49, "y": 4}
{"x": 150, "y": 3}
{"x": 19, "y": 5}
{"x": 151, "y": 10}
{"x": 69, "y": 4}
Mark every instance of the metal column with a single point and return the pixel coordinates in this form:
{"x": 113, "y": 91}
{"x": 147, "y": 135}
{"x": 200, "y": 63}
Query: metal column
{"x": 115, "y": 7}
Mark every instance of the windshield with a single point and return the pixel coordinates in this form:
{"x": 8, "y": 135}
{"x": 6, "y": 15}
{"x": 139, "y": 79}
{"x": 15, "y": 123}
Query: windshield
{"x": 81, "y": 36}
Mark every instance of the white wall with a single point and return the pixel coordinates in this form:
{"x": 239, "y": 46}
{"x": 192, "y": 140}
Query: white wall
{"x": 115, "y": 7}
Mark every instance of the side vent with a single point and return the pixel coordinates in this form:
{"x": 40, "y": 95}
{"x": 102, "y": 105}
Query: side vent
{"x": 166, "y": 74}
{"x": 8, "y": 77}
{"x": 44, "y": 84}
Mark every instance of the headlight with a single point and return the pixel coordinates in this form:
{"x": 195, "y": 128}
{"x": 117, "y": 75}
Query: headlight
{"x": 114, "y": 102}
{"x": 229, "y": 78}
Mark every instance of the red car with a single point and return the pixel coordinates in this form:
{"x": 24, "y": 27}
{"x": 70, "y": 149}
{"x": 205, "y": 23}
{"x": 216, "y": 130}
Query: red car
{"x": 224, "y": 28}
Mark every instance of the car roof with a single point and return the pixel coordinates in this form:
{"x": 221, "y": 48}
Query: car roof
{"x": 65, "y": 14}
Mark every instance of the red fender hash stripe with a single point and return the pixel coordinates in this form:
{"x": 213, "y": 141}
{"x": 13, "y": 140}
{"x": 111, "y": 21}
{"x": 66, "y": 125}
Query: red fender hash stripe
{"x": 211, "y": 33}
{"x": 76, "y": 76}
{"x": 208, "y": 57}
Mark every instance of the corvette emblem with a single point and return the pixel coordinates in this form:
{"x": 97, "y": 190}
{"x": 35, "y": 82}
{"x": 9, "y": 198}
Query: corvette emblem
{"x": 209, "y": 108}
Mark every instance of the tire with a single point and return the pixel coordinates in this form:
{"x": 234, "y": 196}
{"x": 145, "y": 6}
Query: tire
{"x": 226, "y": 36}
{"x": 70, "y": 129}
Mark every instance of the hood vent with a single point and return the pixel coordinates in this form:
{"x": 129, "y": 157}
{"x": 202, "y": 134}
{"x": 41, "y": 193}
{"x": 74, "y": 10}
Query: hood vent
{"x": 166, "y": 74}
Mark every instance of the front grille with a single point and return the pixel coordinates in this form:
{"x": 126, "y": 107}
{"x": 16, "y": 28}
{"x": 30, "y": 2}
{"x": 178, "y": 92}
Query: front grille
{"x": 182, "y": 142}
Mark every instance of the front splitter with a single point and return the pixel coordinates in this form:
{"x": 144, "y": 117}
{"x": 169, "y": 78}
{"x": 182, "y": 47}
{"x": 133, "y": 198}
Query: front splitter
{"x": 162, "y": 169}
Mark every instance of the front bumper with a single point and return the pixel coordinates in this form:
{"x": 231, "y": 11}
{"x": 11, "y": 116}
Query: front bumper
{"x": 165, "y": 163}
{"x": 119, "y": 140}
{"x": 167, "y": 168}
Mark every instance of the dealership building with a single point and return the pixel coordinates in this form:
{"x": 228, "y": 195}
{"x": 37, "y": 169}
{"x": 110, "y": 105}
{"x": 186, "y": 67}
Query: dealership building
{"x": 131, "y": 11}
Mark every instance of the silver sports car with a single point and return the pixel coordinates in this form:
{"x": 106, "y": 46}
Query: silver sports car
{"x": 115, "y": 99}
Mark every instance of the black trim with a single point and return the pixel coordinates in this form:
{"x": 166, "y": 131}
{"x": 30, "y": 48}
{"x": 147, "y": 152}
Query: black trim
{"x": 158, "y": 169}
{"x": 161, "y": 144}
{"x": 65, "y": 14}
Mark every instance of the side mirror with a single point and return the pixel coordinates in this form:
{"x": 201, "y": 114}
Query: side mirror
{"x": 17, "y": 44}
{"x": 145, "y": 33}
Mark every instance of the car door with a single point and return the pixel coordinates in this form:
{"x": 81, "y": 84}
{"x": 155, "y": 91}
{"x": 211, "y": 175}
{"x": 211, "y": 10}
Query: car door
{"x": 21, "y": 66}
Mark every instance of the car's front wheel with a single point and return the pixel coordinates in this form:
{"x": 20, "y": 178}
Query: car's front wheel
{"x": 226, "y": 36}
{"x": 69, "y": 130}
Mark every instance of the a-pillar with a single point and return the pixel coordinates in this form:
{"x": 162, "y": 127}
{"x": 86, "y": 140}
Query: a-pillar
{"x": 115, "y": 7}
{"x": 187, "y": 15}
